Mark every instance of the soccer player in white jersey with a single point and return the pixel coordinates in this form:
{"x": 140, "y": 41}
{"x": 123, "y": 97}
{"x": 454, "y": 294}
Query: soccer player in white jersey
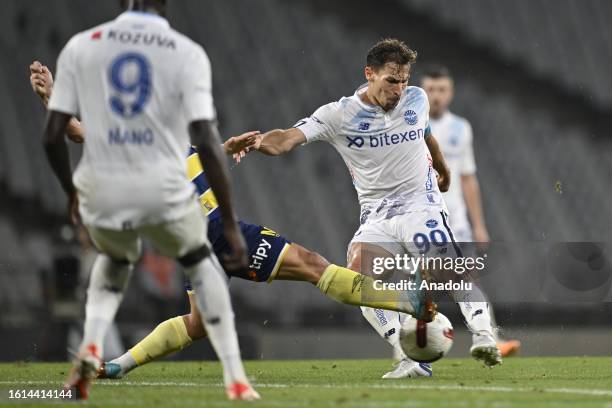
{"x": 382, "y": 132}
{"x": 454, "y": 134}
{"x": 143, "y": 89}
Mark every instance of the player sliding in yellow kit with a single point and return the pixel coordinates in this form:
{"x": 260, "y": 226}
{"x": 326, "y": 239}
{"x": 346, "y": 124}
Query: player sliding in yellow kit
{"x": 271, "y": 256}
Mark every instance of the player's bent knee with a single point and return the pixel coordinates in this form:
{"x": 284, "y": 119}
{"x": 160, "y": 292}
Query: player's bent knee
{"x": 315, "y": 264}
{"x": 316, "y": 261}
{"x": 353, "y": 258}
{"x": 108, "y": 274}
{"x": 195, "y": 328}
{"x": 194, "y": 257}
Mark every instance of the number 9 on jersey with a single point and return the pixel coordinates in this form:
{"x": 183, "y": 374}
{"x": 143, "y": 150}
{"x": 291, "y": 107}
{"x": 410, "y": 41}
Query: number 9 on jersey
{"x": 130, "y": 78}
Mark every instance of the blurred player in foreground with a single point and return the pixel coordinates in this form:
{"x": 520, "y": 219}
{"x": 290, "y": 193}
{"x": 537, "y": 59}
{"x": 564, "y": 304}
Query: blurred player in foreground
{"x": 271, "y": 256}
{"x": 143, "y": 89}
{"x": 383, "y": 134}
{"x": 454, "y": 134}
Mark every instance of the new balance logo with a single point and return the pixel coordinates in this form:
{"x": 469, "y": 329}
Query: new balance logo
{"x": 389, "y": 333}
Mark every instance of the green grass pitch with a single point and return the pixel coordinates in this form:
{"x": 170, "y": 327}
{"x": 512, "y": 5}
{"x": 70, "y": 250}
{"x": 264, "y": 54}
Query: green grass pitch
{"x": 573, "y": 381}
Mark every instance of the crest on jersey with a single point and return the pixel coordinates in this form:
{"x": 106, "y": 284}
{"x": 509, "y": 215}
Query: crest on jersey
{"x": 364, "y": 126}
{"x": 411, "y": 117}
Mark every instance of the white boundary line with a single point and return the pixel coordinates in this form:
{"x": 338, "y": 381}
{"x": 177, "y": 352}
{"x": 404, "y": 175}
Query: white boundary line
{"x": 575, "y": 391}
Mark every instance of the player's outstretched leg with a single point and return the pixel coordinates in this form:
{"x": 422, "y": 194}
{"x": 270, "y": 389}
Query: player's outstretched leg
{"x": 168, "y": 337}
{"x": 107, "y": 284}
{"x": 297, "y": 263}
{"x": 347, "y": 286}
{"x": 340, "y": 284}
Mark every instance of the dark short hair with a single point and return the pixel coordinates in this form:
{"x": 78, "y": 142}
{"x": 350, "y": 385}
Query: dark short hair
{"x": 390, "y": 50}
{"x": 436, "y": 71}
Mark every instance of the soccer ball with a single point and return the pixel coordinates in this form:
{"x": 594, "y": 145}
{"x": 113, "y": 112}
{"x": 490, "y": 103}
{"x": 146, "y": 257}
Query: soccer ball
{"x": 426, "y": 342}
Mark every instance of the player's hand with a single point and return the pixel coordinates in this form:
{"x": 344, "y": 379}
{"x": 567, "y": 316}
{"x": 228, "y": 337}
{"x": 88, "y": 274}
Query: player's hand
{"x": 41, "y": 80}
{"x": 240, "y": 145}
{"x": 237, "y": 259}
{"x": 444, "y": 180}
{"x": 253, "y": 142}
{"x": 73, "y": 208}
{"x": 74, "y": 131}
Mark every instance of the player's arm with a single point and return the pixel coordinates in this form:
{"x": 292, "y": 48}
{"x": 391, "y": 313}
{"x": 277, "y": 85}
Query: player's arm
{"x": 272, "y": 143}
{"x": 41, "y": 80}
{"x": 438, "y": 162}
{"x": 56, "y": 149}
{"x": 239, "y": 146}
{"x": 279, "y": 141}
{"x": 62, "y": 105}
{"x": 322, "y": 125}
{"x": 473, "y": 202}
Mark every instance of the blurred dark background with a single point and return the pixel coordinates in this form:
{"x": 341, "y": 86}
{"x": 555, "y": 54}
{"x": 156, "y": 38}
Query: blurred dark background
{"x": 531, "y": 76}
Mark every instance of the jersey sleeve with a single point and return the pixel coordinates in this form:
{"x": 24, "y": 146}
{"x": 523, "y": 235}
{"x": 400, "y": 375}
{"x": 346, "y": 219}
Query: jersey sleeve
{"x": 65, "y": 97}
{"x": 196, "y": 87}
{"x": 468, "y": 164}
{"x": 427, "y": 126}
{"x": 323, "y": 124}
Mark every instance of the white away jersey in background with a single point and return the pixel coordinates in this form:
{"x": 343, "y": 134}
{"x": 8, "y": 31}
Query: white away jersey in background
{"x": 385, "y": 152}
{"x": 454, "y": 134}
{"x": 136, "y": 84}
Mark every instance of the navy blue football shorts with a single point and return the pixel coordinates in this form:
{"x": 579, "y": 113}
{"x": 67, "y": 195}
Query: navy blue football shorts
{"x": 265, "y": 247}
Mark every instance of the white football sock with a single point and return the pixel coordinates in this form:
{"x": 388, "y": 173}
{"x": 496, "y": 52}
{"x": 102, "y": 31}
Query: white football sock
{"x": 213, "y": 300}
{"x": 107, "y": 284}
{"x": 387, "y": 324}
{"x": 126, "y": 362}
{"x": 475, "y": 310}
